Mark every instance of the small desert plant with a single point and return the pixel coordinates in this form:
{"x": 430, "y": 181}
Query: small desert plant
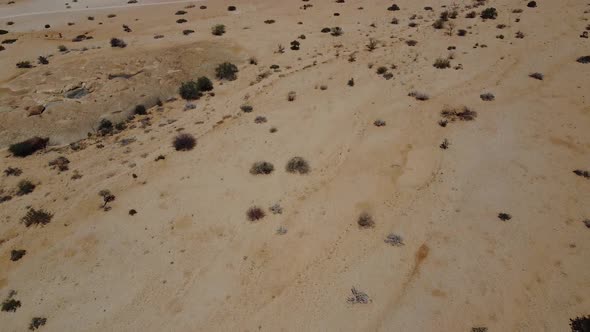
{"x": 140, "y": 110}
{"x": 62, "y": 48}
{"x": 291, "y": 95}
{"x": 583, "y": 59}
{"x": 411, "y": 42}
{"x": 372, "y": 45}
{"x": 464, "y": 114}
{"x": 261, "y": 167}
{"x": 487, "y": 96}
{"x": 116, "y": 42}
{"x": 358, "y": 297}
{"x": 504, "y": 216}
{"x": 282, "y": 230}
{"x": 184, "y": 142}
{"x": 218, "y": 29}
{"x": 42, "y": 60}
{"x": 24, "y": 64}
{"x": 189, "y": 90}
{"x": 297, "y": 165}
{"x": 442, "y": 63}
{"x": 276, "y": 209}
{"x": 418, "y": 95}
{"x": 260, "y": 119}
{"x": 379, "y": 123}
{"x": 394, "y": 240}
{"x": 537, "y": 76}
{"x": 16, "y": 255}
{"x": 471, "y": 14}
{"x": 28, "y": 147}
{"x": 381, "y": 70}
{"x": 336, "y": 31}
{"x": 105, "y": 127}
{"x": 255, "y": 213}
{"x": 37, "y": 217}
{"x": 351, "y": 82}
{"x": 489, "y": 13}
{"x": 14, "y": 171}
{"x": 365, "y": 221}
{"x": 584, "y": 174}
{"x": 107, "y": 197}
{"x": 438, "y": 24}
{"x": 37, "y": 322}
{"x": 461, "y": 32}
{"x": 226, "y": 71}
{"x": 10, "y": 305}
{"x": 246, "y": 108}
{"x": 25, "y": 187}
{"x": 445, "y": 144}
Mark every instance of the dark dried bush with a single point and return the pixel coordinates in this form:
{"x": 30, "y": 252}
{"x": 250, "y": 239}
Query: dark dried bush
{"x": 116, "y": 42}
{"x": 16, "y": 255}
{"x": 365, "y": 221}
{"x": 537, "y": 76}
{"x": 37, "y": 322}
{"x": 442, "y": 63}
{"x": 105, "y": 127}
{"x": 255, "y": 213}
{"x": 10, "y": 305}
{"x": 184, "y": 142}
{"x": 28, "y": 147}
{"x": 297, "y": 165}
{"x": 37, "y": 217}
{"x": 583, "y": 59}
{"x": 24, "y": 64}
{"x": 262, "y": 167}
{"x": 463, "y": 114}
{"x": 580, "y": 324}
{"x": 584, "y": 174}
{"x": 189, "y": 90}
{"x": 14, "y": 171}
{"x": 487, "y": 96}
{"x": 140, "y": 110}
{"x": 504, "y": 216}
{"x": 419, "y": 95}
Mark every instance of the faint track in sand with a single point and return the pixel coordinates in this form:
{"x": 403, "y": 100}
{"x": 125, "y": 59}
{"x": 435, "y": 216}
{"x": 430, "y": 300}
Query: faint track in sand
{"x": 98, "y": 8}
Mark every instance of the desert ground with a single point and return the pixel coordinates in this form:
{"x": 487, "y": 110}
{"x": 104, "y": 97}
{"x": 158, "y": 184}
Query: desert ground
{"x": 442, "y": 182}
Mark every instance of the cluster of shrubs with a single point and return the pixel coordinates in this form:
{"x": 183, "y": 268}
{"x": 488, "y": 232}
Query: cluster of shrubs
{"x": 194, "y": 89}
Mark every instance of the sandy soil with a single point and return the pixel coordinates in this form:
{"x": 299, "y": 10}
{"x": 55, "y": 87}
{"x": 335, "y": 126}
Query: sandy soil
{"x": 190, "y": 260}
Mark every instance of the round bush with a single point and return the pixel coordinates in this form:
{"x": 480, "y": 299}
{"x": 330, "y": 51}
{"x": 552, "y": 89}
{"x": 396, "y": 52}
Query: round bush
{"x": 226, "y": 71}
{"x": 190, "y": 90}
{"x": 184, "y": 142}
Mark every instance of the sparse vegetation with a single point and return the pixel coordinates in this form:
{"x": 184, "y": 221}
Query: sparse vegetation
{"x": 116, "y": 42}
{"x": 261, "y": 167}
{"x": 365, "y": 220}
{"x": 24, "y": 64}
{"x": 489, "y": 13}
{"x": 105, "y": 127}
{"x": 358, "y": 297}
{"x": 189, "y": 90}
{"x": 37, "y": 217}
{"x": 504, "y": 216}
{"x": 25, "y": 187}
{"x": 291, "y": 96}
{"x": 246, "y": 108}
{"x": 37, "y": 322}
{"x": 537, "y": 76}
{"x": 418, "y": 95}
{"x": 184, "y": 142}
{"x": 442, "y": 63}
{"x": 10, "y": 304}
{"x": 16, "y": 255}
{"x": 487, "y": 96}
{"x": 218, "y": 29}
{"x": 297, "y": 165}
{"x": 372, "y": 45}
{"x": 13, "y": 171}
{"x": 336, "y": 31}
{"x": 394, "y": 240}
{"x": 226, "y": 71}
{"x": 584, "y": 174}
{"x": 255, "y": 213}
{"x": 379, "y": 123}
{"x": 580, "y": 324}
{"x": 462, "y": 114}
{"x": 583, "y": 59}
{"x": 107, "y": 197}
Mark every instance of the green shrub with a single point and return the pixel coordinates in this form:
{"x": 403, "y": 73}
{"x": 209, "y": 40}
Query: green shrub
{"x": 28, "y": 147}
{"x": 297, "y": 165}
{"x": 218, "y": 29}
{"x": 190, "y": 90}
{"x": 489, "y": 13}
{"x": 25, "y": 187}
{"x": 204, "y": 84}
{"x": 226, "y": 71}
